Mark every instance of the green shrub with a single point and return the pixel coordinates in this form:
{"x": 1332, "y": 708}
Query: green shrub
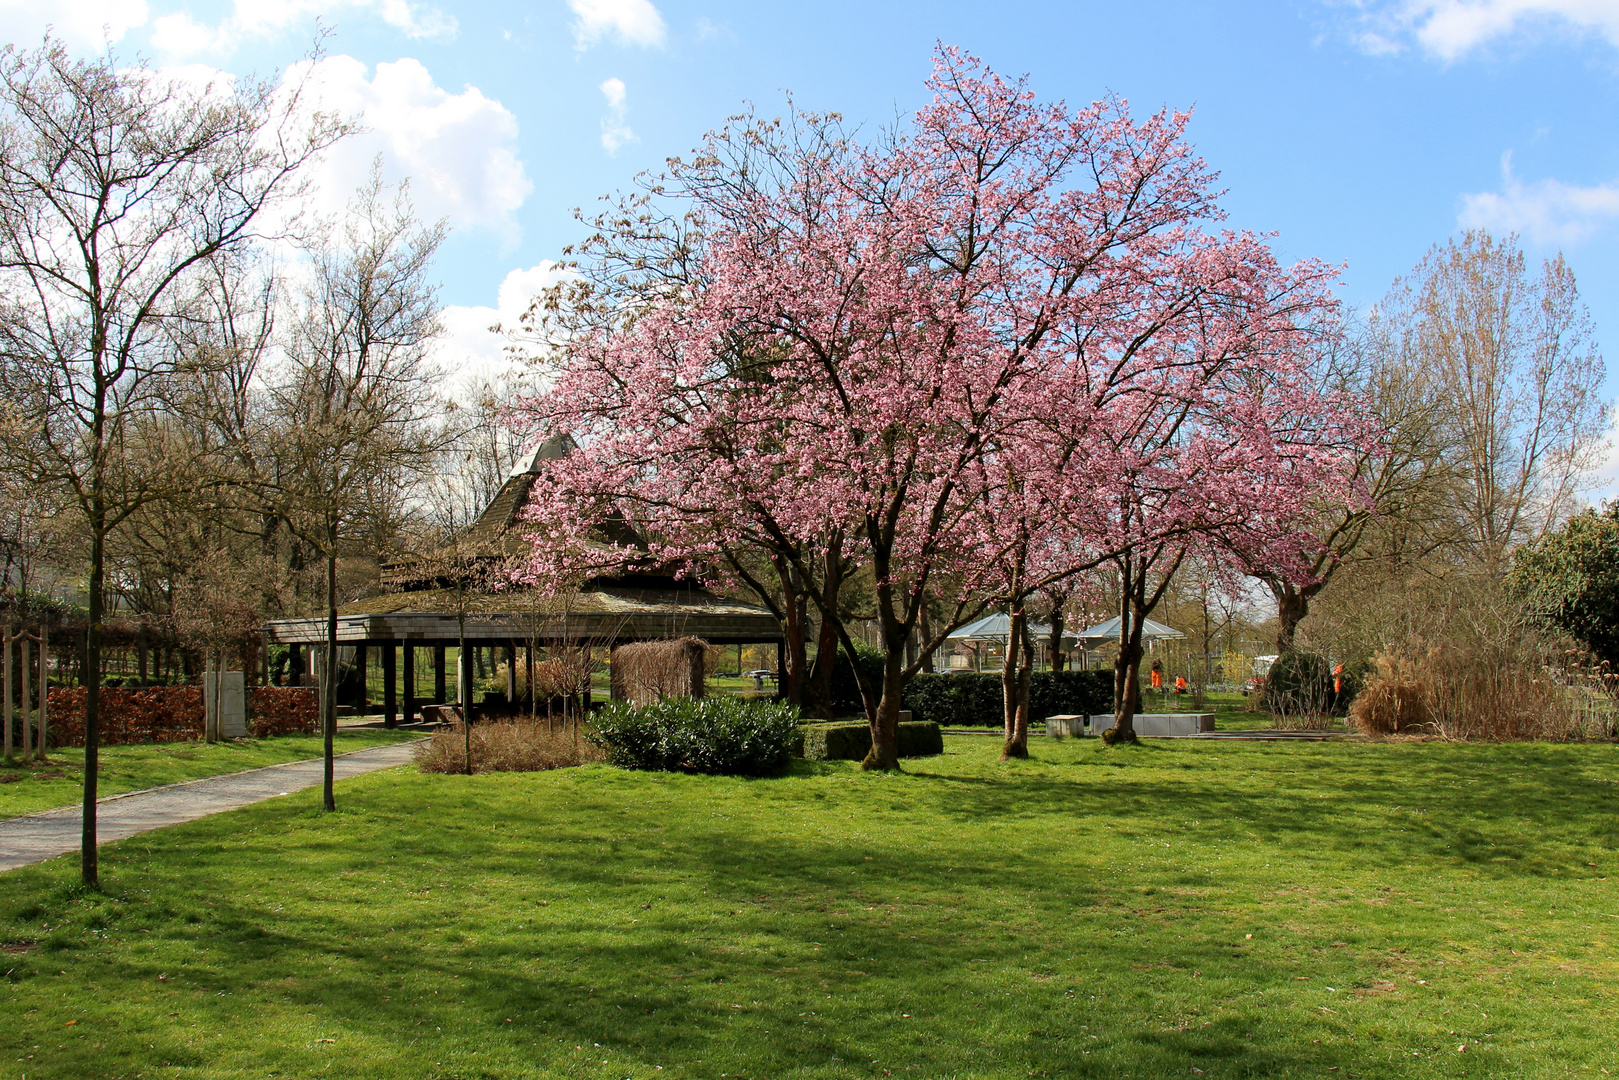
{"x": 976, "y": 700}
{"x": 1298, "y": 684}
{"x": 727, "y": 735}
{"x": 845, "y": 688}
{"x": 851, "y": 741}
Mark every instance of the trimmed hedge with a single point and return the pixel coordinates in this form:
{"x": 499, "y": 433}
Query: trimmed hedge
{"x": 727, "y": 735}
{"x": 174, "y": 714}
{"x": 851, "y": 741}
{"x": 975, "y": 699}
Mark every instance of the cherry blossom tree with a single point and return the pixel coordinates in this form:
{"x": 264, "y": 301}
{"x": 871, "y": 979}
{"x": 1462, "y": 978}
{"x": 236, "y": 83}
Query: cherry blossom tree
{"x": 948, "y": 352}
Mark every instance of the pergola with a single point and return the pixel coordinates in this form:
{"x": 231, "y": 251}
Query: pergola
{"x": 422, "y": 611}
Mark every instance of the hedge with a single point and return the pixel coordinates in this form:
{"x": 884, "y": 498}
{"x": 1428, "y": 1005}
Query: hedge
{"x": 973, "y": 699}
{"x": 846, "y": 741}
{"x": 174, "y": 714}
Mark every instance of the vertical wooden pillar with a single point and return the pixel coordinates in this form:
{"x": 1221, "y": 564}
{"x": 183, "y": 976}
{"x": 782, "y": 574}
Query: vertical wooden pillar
{"x": 361, "y": 659}
{"x": 44, "y": 692}
{"x": 295, "y": 665}
{"x": 410, "y": 682}
{"x": 390, "y": 686}
{"x": 27, "y": 712}
{"x": 781, "y": 665}
{"x": 528, "y": 679}
{"x": 439, "y": 688}
{"x": 511, "y": 679}
{"x": 6, "y": 708}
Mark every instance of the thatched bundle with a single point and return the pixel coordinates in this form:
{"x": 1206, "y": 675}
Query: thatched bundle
{"x": 651, "y": 671}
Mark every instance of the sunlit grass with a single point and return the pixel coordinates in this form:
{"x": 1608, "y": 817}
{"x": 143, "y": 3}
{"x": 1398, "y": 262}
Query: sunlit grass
{"x": 1244, "y": 910}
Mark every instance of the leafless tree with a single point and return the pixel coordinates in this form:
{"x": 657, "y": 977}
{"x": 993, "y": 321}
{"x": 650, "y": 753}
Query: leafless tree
{"x": 356, "y": 418}
{"x": 118, "y": 189}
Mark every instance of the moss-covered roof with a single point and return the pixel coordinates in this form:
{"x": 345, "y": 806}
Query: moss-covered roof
{"x": 604, "y": 600}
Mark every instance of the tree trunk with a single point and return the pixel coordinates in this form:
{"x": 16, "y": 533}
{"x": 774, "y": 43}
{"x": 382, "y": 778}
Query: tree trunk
{"x": 1015, "y": 713}
{"x": 925, "y": 627}
{"x": 1291, "y": 608}
{"x": 884, "y": 753}
{"x": 329, "y": 685}
{"x": 89, "y": 869}
{"x": 1126, "y": 673}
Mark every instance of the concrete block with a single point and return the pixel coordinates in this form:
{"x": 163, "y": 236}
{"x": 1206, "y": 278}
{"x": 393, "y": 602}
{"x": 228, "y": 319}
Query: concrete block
{"x": 1065, "y": 725}
{"x": 1159, "y": 724}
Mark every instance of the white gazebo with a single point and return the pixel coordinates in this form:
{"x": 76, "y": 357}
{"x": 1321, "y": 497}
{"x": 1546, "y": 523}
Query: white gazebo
{"x": 1104, "y": 632}
{"x": 996, "y": 629}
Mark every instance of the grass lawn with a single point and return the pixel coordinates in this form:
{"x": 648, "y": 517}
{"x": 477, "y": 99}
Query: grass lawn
{"x": 1173, "y": 910}
{"x": 60, "y": 781}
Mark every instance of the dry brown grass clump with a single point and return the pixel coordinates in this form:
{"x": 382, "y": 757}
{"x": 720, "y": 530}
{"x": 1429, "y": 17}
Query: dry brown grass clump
{"x": 1466, "y": 690}
{"x": 518, "y": 745}
{"x": 1393, "y": 700}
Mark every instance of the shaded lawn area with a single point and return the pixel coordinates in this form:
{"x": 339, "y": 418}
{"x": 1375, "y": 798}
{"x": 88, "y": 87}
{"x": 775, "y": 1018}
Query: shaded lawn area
{"x": 60, "y": 781}
{"x": 1261, "y": 910}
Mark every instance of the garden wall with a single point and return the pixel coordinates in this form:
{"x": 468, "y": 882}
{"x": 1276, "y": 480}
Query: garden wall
{"x": 174, "y": 714}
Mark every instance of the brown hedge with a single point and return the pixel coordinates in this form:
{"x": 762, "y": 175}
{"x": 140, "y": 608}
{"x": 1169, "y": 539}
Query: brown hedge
{"x": 174, "y": 714}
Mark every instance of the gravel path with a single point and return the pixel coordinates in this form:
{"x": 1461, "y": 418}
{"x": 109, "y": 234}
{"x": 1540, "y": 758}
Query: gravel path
{"x": 36, "y": 837}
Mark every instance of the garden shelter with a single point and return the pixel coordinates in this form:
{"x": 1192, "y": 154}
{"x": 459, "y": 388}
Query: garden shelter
{"x": 1104, "y": 632}
{"x": 430, "y": 598}
{"x": 995, "y": 630}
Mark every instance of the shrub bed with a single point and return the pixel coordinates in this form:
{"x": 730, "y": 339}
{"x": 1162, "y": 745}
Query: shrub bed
{"x": 851, "y": 740}
{"x": 725, "y": 735}
{"x": 975, "y": 699}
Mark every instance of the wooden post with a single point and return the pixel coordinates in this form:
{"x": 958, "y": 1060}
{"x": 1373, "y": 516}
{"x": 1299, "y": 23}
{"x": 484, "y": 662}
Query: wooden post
{"x": 361, "y": 665}
{"x": 295, "y": 664}
{"x": 528, "y": 676}
{"x": 27, "y": 713}
{"x": 511, "y": 679}
{"x": 44, "y": 692}
{"x": 390, "y": 688}
{"x": 439, "y": 680}
{"x": 410, "y": 682}
{"x": 9, "y": 689}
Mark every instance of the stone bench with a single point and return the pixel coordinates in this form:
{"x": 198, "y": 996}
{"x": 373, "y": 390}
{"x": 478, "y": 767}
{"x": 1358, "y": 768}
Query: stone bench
{"x": 1159, "y": 724}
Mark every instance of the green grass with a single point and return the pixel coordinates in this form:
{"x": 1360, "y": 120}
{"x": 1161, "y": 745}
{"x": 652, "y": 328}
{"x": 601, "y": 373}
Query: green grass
{"x": 1172, "y": 910}
{"x": 60, "y": 780}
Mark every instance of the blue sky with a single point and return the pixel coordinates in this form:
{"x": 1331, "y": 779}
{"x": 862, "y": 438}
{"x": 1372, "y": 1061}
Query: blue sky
{"x": 1358, "y": 131}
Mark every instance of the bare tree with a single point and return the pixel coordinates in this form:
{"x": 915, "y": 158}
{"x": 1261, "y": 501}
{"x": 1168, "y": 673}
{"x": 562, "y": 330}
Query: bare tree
{"x": 117, "y": 189}
{"x": 354, "y": 408}
{"x": 1514, "y": 361}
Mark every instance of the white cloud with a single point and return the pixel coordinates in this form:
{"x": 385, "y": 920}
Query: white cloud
{"x": 89, "y": 24}
{"x": 615, "y": 132}
{"x": 81, "y": 24}
{"x": 458, "y": 150}
{"x": 469, "y": 350}
{"x": 1548, "y": 212}
{"x": 1450, "y": 29}
{"x": 630, "y": 22}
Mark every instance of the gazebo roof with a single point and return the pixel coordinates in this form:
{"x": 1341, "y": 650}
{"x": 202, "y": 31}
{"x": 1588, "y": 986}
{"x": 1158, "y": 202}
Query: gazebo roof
{"x": 1150, "y": 631}
{"x": 635, "y": 606}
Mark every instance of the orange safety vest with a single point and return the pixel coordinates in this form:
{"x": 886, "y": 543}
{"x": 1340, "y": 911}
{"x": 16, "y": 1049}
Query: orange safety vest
{"x": 1180, "y": 684}
{"x": 1157, "y": 679}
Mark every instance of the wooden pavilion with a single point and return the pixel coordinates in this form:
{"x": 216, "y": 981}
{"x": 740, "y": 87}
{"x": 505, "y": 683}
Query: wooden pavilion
{"x": 424, "y": 609}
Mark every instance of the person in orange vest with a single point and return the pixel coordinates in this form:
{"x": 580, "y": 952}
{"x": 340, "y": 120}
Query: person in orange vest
{"x": 1180, "y": 684}
{"x": 1158, "y": 675}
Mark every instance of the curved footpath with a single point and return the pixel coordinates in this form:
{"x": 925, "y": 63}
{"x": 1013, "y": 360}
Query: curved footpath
{"x": 36, "y": 837}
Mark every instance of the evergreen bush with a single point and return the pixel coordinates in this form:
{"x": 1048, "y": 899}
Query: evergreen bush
{"x": 726, "y": 735}
{"x": 1298, "y": 684}
{"x": 851, "y": 740}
